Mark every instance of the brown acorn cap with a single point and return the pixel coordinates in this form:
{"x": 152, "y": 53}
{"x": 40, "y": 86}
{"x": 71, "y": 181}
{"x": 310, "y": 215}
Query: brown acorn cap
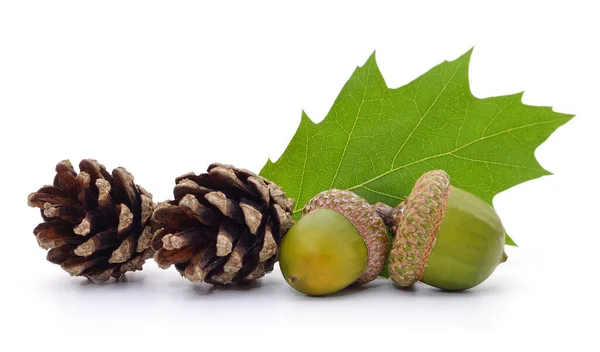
{"x": 418, "y": 223}
{"x": 366, "y": 221}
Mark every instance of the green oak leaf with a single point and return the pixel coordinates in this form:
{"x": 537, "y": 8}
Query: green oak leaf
{"x": 376, "y": 141}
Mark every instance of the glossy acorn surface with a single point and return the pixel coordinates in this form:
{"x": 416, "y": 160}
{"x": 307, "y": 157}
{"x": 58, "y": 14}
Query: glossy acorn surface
{"x": 322, "y": 253}
{"x": 469, "y": 244}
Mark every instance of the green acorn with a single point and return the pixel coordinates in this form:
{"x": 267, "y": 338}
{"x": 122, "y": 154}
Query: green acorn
{"x": 444, "y": 236}
{"x": 340, "y": 240}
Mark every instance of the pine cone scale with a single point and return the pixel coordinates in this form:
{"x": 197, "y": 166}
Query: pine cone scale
{"x": 99, "y": 276}
{"x": 124, "y": 252}
{"x": 125, "y": 220}
{"x": 279, "y": 198}
{"x": 172, "y": 216}
{"x": 195, "y": 270}
{"x": 227, "y": 207}
{"x": 252, "y": 215}
{"x": 85, "y": 194}
{"x": 77, "y": 265}
{"x": 102, "y": 240}
{"x": 66, "y": 178}
{"x": 60, "y": 254}
{"x": 50, "y": 196}
{"x": 243, "y": 260}
{"x": 144, "y": 242}
{"x": 72, "y": 214}
{"x": 165, "y": 258}
{"x": 55, "y": 236}
{"x": 194, "y": 209}
{"x": 284, "y": 218}
{"x": 226, "y": 177}
{"x": 270, "y": 247}
{"x": 260, "y": 188}
{"x": 189, "y": 187}
{"x": 228, "y": 234}
{"x": 92, "y": 223}
{"x": 190, "y": 237}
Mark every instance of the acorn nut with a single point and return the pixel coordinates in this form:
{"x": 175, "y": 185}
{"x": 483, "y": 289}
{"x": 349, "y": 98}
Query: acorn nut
{"x": 445, "y": 237}
{"x": 340, "y": 240}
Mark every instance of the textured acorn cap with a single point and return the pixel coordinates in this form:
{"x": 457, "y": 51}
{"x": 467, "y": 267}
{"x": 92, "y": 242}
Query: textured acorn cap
{"x": 366, "y": 221}
{"x": 418, "y": 223}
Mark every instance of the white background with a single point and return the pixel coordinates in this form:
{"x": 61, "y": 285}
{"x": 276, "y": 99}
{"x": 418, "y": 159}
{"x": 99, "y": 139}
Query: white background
{"x": 164, "y": 88}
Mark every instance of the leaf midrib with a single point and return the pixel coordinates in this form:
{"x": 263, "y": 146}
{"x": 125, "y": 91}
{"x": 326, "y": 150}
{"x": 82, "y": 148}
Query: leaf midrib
{"x": 303, "y": 173}
{"x": 362, "y": 102}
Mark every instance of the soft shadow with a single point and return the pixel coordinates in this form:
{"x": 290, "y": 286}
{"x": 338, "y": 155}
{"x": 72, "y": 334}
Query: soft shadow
{"x": 204, "y": 289}
{"x": 412, "y": 290}
{"x": 438, "y": 291}
{"x": 348, "y": 291}
{"x": 426, "y": 290}
{"x": 125, "y": 281}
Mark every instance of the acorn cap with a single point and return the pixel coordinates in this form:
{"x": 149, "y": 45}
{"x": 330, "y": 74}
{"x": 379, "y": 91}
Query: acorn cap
{"x": 366, "y": 221}
{"x": 418, "y": 224}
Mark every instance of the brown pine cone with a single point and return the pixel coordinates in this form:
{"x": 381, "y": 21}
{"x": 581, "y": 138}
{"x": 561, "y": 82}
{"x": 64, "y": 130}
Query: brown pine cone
{"x": 96, "y": 224}
{"x": 224, "y": 226}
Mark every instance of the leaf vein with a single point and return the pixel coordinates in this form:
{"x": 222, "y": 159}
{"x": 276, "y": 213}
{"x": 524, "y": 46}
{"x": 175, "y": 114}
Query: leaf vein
{"x": 303, "y": 173}
{"x": 337, "y": 171}
{"x": 382, "y": 193}
{"x": 494, "y": 119}
{"x": 425, "y": 115}
{"x": 489, "y": 162}
{"x": 452, "y": 151}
